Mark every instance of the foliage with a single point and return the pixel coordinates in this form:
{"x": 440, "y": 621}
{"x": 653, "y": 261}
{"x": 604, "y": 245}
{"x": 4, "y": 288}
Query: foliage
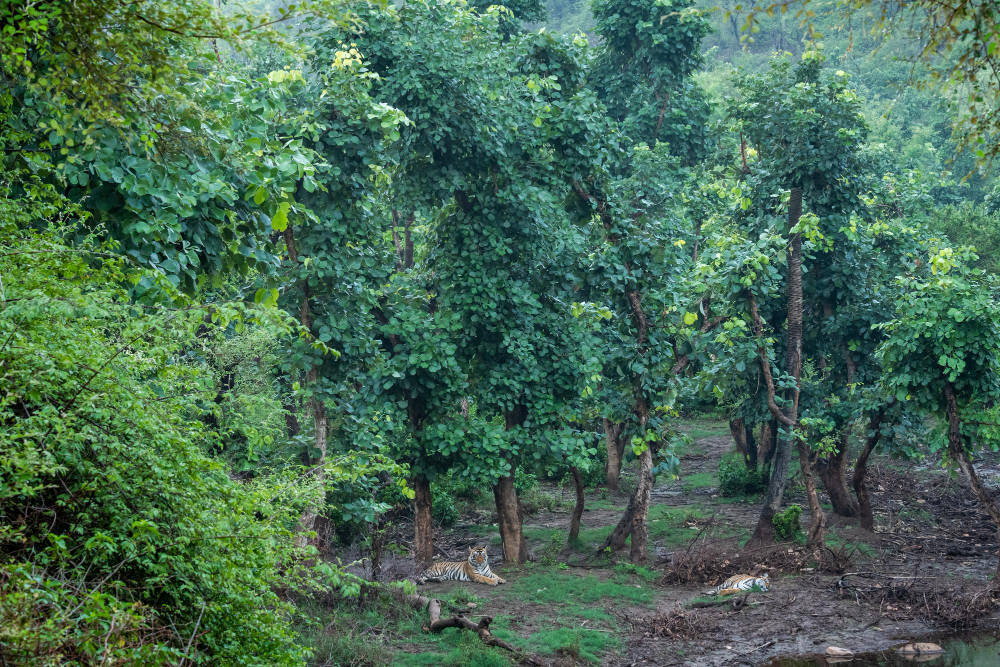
{"x": 643, "y": 71}
{"x": 736, "y": 480}
{"x": 787, "y": 525}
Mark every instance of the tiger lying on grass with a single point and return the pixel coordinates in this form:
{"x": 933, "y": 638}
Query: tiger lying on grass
{"x": 476, "y": 569}
{"x": 739, "y": 583}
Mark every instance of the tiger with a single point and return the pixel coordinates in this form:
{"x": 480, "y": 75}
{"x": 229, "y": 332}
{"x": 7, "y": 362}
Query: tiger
{"x": 741, "y": 582}
{"x": 476, "y": 569}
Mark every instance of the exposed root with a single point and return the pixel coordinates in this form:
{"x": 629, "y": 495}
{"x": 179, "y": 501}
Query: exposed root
{"x": 437, "y": 624}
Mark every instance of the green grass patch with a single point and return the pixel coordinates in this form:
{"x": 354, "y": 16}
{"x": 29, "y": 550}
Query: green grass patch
{"x": 572, "y": 590}
{"x": 638, "y": 570}
{"x": 577, "y": 643}
{"x": 605, "y": 504}
{"x": 699, "y": 480}
{"x": 669, "y": 525}
{"x": 835, "y": 541}
{"x": 454, "y": 648}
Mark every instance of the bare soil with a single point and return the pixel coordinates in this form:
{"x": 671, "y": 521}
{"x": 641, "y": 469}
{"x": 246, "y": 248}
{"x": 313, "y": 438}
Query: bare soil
{"x": 922, "y": 571}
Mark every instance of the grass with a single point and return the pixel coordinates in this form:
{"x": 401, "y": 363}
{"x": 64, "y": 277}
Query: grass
{"x": 837, "y": 542}
{"x": 699, "y": 480}
{"x": 454, "y": 648}
{"x": 670, "y": 525}
{"x": 578, "y": 643}
{"x": 551, "y": 586}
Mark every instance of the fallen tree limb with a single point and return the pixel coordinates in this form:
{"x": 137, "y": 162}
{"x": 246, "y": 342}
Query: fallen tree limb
{"x": 437, "y": 624}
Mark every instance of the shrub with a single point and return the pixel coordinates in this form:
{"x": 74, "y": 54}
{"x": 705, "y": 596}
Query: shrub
{"x": 786, "y": 524}
{"x": 735, "y": 479}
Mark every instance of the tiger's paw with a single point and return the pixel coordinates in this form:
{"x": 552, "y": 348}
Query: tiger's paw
{"x": 500, "y": 581}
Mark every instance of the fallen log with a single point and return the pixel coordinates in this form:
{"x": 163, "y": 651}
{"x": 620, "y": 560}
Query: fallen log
{"x": 437, "y": 624}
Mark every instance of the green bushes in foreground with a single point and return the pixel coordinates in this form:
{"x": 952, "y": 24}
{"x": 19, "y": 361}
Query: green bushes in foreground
{"x": 122, "y": 540}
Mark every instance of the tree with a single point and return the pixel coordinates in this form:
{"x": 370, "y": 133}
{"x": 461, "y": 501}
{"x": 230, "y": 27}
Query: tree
{"x": 807, "y": 145}
{"x": 941, "y": 355}
{"x": 643, "y": 72}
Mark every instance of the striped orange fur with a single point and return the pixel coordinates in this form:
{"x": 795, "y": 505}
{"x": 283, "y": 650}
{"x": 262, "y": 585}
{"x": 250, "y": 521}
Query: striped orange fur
{"x": 476, "y": 568}
{"x": 741, "y": 582}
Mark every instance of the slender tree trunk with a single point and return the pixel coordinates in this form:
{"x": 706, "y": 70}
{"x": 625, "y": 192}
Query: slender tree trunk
{"x": 515, "y": 549}
{"x": 957, "y": 451}
{"x": 767, "y": 443}
{"x": 574, "y": 523}
{"x": 793, "y": 361}
{"x": 743, "y": 438}
{"x": 316, "y": 408}
{"x": 640, "y": 511}
{"x": 867, "y": 516}
{"x": 815, "y": 537}
{"x": 764, "y": 531}
{"x": 423, "y": 526}
{"x": 612, "y": 440}
{"x": 832, "y": 471}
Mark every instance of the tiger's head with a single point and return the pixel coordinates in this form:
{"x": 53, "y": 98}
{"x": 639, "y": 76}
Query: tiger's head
{"x": 767, "y": 580}
{"x": 477, "y": 557}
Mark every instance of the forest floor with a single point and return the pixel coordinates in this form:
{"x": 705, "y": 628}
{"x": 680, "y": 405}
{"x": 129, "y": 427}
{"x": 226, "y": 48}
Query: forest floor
{"x": 922, "y": 572}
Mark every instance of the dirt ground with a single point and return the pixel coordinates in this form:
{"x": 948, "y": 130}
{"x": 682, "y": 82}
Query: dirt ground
{"x": 932, "y": 552}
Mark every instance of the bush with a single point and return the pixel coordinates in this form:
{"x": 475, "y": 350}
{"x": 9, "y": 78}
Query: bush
{"x": 786, "y": 524}
{"x": 735, "y": 479}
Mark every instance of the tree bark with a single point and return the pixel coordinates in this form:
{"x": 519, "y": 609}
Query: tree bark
{"x": 437, "y": 624}
{"x": 832, "y": 471}
{"x": 423, "y": 526}
{"x": 865, "y": 513}
{"x": 616, "y": 449}
{"x": 640, "y": 510}
{"x": 515, "y": 549}
{"x": 767, "y": 442}
{"x": 574, "y": 523}
{"x": 793, "y": 362}
{"x": 316, "y": 407}
{"x": 743, "y": 438}
{"x": 616, "y": 538}
{"x": 790, "y": 416}
{"x": 764, "y": 531}
{"x": 957, "y": 451}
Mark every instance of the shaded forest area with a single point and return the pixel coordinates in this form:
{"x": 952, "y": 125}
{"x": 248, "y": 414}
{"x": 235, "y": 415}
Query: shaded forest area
{"x": 297, "y": 299}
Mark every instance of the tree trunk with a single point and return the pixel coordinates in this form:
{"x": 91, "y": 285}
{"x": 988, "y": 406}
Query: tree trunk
{"x": 832, "y": 471}
{"x": 764, "y": 532}
{"x": 767, "y": 443}
{"x": 616, "y": 448}
{"x": 790, "y": 415}
{"x": 640, "y": 509}
{"x": 957, "y": 451}
{"x": 793, "y": 362}
{"x": 316, "y": 407}
{"x": 515, "y": 549}
{"x": 861, "y": 469}
{"x": 574, "y": 523}
{"x": 616, "y": 538}
{"x": 817, "y": 525}
{"x": 743, "y": 438}
{"x": 423, "y": 526}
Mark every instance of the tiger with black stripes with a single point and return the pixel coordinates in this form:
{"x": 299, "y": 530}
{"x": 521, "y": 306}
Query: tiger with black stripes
{"x": 739, "y": 583}
{"x": 476, "y": 568}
